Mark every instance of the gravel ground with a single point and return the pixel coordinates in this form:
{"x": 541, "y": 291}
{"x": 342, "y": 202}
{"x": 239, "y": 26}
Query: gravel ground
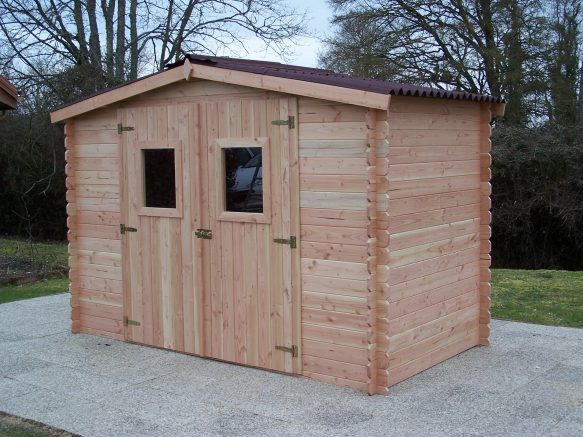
{"x": 528, "y": 382}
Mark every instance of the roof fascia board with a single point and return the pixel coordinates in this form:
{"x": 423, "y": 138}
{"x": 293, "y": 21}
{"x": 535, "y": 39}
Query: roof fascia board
{"x": 253, "y": 80}
{"x": 8, "y": 99}
{"x": 292, "y": 86}
{"x": 115, "y": 95}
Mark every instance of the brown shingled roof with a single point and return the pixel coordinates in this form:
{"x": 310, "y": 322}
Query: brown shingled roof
{"x": 328, "y": 77}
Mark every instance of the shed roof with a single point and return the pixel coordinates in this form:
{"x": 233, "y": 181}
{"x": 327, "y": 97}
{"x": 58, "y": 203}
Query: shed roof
{"x": 8, "y": 94}
{"x": 291, "y": 79}
{"x": 329, "y": 77}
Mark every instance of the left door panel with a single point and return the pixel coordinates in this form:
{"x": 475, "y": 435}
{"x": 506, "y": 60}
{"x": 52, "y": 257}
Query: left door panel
{"x": 159, "y": 200}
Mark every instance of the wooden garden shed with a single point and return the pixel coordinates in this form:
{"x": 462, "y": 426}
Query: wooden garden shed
{"x": 282, "y": 217}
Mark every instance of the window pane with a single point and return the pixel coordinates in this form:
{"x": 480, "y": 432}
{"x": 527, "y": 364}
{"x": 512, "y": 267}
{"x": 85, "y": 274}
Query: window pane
{"x": 159, "y": 178}
{"x": 244, "y": 179}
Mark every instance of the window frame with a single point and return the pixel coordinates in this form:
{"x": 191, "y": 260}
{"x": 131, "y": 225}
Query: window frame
{"x": 149, "y": 211}
{"x": 221, "y": 192}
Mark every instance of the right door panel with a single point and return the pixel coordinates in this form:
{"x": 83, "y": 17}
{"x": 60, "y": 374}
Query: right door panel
{"x": 248, "y": 293}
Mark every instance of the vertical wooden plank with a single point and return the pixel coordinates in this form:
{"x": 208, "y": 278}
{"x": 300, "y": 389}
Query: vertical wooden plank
{"x": 250, "y": 346}
{"x": 156, "y": 283}
{"x": 179, "y": 125}
{"x": 239, "y": 256}
{"x": 215, "y": 252}
{"x": 135, "y": 290}
{"x": 249, "y": 301}
{"x": 286, "y": 232}
{"x": 228, "y": 286}
{"x": 145, "y": 264}
{"x": 204, "y": 247}
{"x": 166, "y": 283}
{"x": 264, "y": 340}
{"x": 278, "y": 359}
{"x": 294, "y": 190}
{"x": 196, "y": 146}
{"x": 265, "y": 282}
{"x": 176, "y": 281}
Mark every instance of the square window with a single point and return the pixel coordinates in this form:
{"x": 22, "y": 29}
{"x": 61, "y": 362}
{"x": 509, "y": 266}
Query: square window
{"x": 159, "y": 178}
{"x": 243, "y": 179}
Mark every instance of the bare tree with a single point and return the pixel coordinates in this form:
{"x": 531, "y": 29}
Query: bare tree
{"x": 109, "y": 47}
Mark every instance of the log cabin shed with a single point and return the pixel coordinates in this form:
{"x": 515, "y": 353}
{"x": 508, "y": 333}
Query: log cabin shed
{"x": 282, "y": 217}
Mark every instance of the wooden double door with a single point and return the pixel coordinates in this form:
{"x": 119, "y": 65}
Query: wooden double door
{"x": 200, "y": 275}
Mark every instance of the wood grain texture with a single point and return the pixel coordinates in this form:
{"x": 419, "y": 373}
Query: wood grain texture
{"x": 436, "y": 199}
{"x": 335, "y": 241}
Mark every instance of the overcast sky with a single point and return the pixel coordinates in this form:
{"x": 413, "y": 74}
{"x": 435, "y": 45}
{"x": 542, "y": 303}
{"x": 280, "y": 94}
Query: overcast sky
{"x": 319, "y": 14}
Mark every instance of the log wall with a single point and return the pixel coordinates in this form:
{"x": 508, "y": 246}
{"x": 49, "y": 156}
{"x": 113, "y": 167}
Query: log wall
{"x": 93, "y": 196}
{"x": 435, "y": 205}
{"x": 334, "y": 242}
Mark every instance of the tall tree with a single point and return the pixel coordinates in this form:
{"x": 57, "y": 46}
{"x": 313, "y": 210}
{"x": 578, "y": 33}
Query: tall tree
{"x": 563, "y": 61}
{"x": 90, "y": 38}
{"x": 480, "y": 46}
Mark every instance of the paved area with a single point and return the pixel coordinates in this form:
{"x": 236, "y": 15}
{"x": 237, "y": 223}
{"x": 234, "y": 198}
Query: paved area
{"x": 529, "y": 382}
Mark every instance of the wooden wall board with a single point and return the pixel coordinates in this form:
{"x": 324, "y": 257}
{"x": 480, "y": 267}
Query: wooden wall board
{"x": 434, "y": 218}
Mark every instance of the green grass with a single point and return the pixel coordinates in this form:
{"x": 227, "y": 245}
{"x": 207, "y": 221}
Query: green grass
{"x": 546, "y": 297}
{"x": 44, "y": 287}
{"x": 21, "y": 258}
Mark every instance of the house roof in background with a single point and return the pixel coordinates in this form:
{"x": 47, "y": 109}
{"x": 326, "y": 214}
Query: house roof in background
{"x": 8, "y": 94}
{"x": 328, "y": 77}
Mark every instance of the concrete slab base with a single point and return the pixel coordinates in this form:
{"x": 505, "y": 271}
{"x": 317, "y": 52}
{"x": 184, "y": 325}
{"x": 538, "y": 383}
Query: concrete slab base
{"x": 528, "y": 382}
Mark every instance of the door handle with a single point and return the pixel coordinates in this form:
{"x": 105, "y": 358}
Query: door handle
{"x": 207, "y": 234}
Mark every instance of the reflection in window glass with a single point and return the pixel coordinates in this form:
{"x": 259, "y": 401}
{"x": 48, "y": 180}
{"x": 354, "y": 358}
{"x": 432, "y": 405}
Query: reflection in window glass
{"x": 159, "y": 178}
{"x": 244, "y": 179}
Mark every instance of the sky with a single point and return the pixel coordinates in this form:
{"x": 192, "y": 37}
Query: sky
{"x": 306, "y": 52}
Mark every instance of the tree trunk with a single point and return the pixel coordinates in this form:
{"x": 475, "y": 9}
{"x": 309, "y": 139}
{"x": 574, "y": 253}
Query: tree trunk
{"x": 108, "y": 9}
{"x": 134, "y": 51}
{"x": 81, "y": 39}
{"x": 120, "y": 45}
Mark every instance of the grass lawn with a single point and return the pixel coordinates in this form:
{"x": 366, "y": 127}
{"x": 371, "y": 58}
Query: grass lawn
{"x": 546, "y": 297}
{"x": 21, "y": 258}
{"x": 44, "y": 287}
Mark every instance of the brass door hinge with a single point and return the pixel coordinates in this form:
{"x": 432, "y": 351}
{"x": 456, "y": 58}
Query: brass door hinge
{"x": 292, "y": 241}
{"x": 207, "y": 234}
{"x": 291, "y": 350}
{"x": 121, "y": 128}
{"x": 290, "y": 122}
{"x": 127, "y": 322}
{"x": 123, "y": 229}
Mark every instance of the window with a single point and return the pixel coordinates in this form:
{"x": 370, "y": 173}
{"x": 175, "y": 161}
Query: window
{"x": 243, "y": 179}
{"x": 159, "y": 178}
{"x": 158, "y": 172}
{"x": 243, "y": 189}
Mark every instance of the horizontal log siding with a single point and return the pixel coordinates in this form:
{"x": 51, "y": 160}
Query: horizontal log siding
{"x": 434, "y": 190}
{"x": 334, "y": 242}
{"x": 93, "y": 162}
